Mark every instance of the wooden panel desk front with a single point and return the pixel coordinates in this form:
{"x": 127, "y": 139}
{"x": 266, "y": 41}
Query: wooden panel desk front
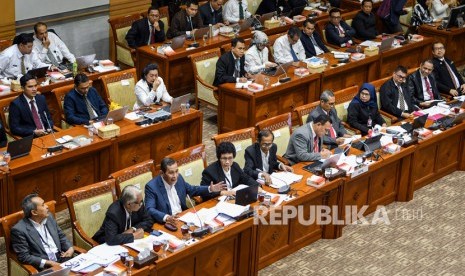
{"x": 240, "y": 108}
{"x": 453, "y": 39}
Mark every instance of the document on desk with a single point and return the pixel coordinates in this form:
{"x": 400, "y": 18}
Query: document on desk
{"x": 230, "y": 209}
{"x": 101, "y": 255}
{"x": 205, "y": 215}
{"x": 368, "y": 43}
{"x": 280, "y": 179}
{"x": 147, "y": 242}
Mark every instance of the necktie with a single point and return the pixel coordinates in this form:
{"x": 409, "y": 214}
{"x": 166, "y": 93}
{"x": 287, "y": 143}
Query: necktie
{"x": 237, "y": 68}
{"x": 128, "y": 223}
{"x": 452, "y": 75}
{"x": 23, "y": 67}
{"x": 294, "y": 56}
{"x": 90, "y": 110}
{"x": 35, "y": 116}
{"x": 241, "y": 11}
{"x": 152, "y": 35}
{"x": 214, "y": 18}
{"x": 428, "y": 89}
{"x": 401, "y": 99}
{"x": 52, "y": 58}
{"x": 315, "y": 144}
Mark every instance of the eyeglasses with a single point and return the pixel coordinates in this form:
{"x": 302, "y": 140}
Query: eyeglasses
{"x": 226, "y": 159}
{"x": 266, "y": 145}
{"x": 138, "y": 203}
{"x": 401, "y": 76}
{"x": 364, "y": 94}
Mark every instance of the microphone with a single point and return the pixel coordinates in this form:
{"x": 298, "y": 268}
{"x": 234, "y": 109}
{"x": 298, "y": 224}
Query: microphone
{"x": 258, "y": 25}
{"x": 194, "y": 44}
{"x": 199, "y": 232}
{"x": 57, "y": 146}
{"x": 286, "y": 78}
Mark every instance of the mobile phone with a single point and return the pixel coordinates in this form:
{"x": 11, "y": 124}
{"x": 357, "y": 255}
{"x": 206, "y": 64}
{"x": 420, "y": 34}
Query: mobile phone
{"x": 156, "y": 233}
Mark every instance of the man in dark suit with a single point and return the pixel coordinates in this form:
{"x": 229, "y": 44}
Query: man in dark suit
{"x": 338, "y": 32}
{"x": 146, "y": 31}
{"x": 225, "y": 170}
{"x": 278, "y": 6}
{"x": 29, "y": 113}
{"x": 446, "y": 74}
{"x": 337, "y": 132}
{"x": 364, "y": 23}
{"x": 306, "y": 142}
{"x": 394, "y": 95}
{"x": 261, "y": 160}
{"x": 422, "y": 85}
{"x": 311, "y": 40}
{"x": 37, "y": 239}
{"x": 125, "y": 220}
{"x": 83, "y": 103}
{"x": 230, "y": 66}
{"x": 165, "y": 195}
{"x": 186, "y": 20}
{"x": 212, "y": 13}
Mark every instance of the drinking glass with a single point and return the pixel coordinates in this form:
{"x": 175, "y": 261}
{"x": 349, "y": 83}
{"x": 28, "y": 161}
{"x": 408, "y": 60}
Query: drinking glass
{"x": 6, "y": 158}
{"x": 123, "y": 257}
{"x": 267, "y": 201}
{"x": 358, "y": 49}
{"x": 185, "y": 232}
{"x": 328, "y": 173}
{"x": 156, "y": 246}
{"x": 325, "y": 61}
{"x": 164, "y": 247}
{"x": 456, "y": 110}
{"x": 205, "y": 37}
{"x": 400, "y": 141}
{"x": 261, "y": 198}
{"x": 267, "y": 81}
{"x": 394, "y": 139}
{"x": 360, "y": 159}
{"x": 129, "y": 264}
{"x": 110, "y": 121}
{"x": 236, "y": 29}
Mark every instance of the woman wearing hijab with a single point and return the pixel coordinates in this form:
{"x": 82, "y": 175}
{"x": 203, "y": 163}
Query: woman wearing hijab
{"x": 363, "y": 112}
{"x": 256, "y": 57}
{"x": 421, "y": 14}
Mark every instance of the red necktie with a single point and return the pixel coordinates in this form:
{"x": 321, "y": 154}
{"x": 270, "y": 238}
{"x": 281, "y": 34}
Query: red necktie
{"x": 152, "y": 35}
{"x": 332, "y": 132}
{"x": 35, "y": 116}
{"x": 428, "y": 89}
{"x": 315, "y": 145}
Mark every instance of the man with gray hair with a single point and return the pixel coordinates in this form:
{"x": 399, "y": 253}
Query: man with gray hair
{"x": 125, "y": 220}
{"x": 337, "y": 132}
{"x": 37, "y": 239}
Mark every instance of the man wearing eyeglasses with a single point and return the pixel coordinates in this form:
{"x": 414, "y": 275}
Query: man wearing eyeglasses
{"x": 165, "y": 195}
{"x": 446, "y": 74}
{"x": 125, "y": 220}
{"x": 261, "y": 160}
{"x": 289, "y": 48}
{"x": 337, "y": 133}
{"x": 311, "y": 40}
{"x": 395, "y": 97}
{"x": 226, "y": 170}
{"x": 146, "y": 31}
{"x": 338, "y": 32}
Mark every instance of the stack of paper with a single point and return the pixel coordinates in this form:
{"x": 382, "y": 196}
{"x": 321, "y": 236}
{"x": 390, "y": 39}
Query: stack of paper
{"x": 281, "y": 179}
{"x": 230, "y": 209}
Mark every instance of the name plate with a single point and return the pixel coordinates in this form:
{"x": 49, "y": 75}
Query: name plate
{"x": 359, "y": 171}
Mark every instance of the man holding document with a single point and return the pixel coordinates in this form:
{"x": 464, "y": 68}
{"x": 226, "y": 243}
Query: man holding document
{"x": 422, "y": 85}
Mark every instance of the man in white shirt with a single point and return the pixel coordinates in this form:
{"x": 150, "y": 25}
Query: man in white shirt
{"x": 17, "y": 59}
{"x": 170, "y": 185}
{"x": 49, "y": 47}
{"x": 289, "y": 48}
{"x": 235, "y": 11}
{"x": 37, "y": 239}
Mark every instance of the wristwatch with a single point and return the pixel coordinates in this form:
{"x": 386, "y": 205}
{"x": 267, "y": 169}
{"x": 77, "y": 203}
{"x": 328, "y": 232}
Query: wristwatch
{"x": 134, "y": 229}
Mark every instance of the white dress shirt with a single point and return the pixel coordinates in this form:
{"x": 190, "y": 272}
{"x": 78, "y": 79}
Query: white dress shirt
{"x": 10, "y": 62}
{"x": 282, "y": 50}
{"x": 146, "y": 96}
{"x": 255, "y": 60}
{"x": 46, "y": 239}
{"x": 439, "y": 10}
{"x": 57, "y": 47}
{"x": 228, "y": 178}
{"x": 231, "y": 11}
{"x": 173, "y": 198}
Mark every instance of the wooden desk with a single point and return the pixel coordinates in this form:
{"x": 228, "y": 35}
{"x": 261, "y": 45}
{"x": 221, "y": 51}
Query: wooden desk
{"x": 240, "y": 108}
{"x": 3, "y": 191}
{"x": 453, "y": 40}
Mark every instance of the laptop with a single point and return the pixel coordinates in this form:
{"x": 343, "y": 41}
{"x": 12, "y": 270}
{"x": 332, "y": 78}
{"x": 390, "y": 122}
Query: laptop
{"x": 116, "y": 115}
{"x": 247, "y": 195}
{"x": 386, "y": 44}
{"x": 245, "y": 26}
{"x": 21, "y": 147}
{"x": 176, "y": 104}
{"x": 38, "y": 72}
{"x": 317, "y": 167}
{"x": 373, "y": 143}
{"x": 419, "y": 122}
{"x": 178, "y": 42}
{"x": 200, "y": 32}
{"x": 50, "y": 272}
{"x": 278, "y": 70}
{"x": 85, "y": 61}
{"x": 451, "y": 121}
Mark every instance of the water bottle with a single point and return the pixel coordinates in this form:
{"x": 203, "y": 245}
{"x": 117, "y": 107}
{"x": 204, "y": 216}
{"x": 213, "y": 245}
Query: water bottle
{"x": 91, "y": 132}
{"x": 188, "y": 106}
{"x": 370, "y": 121}
{"x": 75, "y": 69}
{"x": 210, "y": 30}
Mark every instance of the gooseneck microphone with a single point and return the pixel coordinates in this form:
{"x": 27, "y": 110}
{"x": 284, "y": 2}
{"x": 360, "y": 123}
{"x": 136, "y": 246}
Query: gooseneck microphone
{"x": 199, "y": 232}
{"x": 286, "y": 78}
{"x": 194, "y": 44}
{"x": 57, "y": 146}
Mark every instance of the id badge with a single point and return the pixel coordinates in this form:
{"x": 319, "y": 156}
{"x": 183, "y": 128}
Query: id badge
{"x": 52, "y": 256}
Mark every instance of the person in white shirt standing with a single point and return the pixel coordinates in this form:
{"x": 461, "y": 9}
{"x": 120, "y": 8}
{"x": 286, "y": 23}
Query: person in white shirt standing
{"x": 49, "y": 47}
{"x": 256, "y": 57}
{"x": 235, "y": 11}
{"x": 289, "y": 48}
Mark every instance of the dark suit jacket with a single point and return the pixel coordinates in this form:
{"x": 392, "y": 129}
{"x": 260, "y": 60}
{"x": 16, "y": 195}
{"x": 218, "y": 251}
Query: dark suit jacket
{"x": 179, "y": 24}
{"x": 253, "y": 160}
{"x": 415, "y": 87}
{"x": 76, "y": 109}
{"x": 336, "y": 123}
{"x": 214, "y": 173}
{"x": 301, "y": 146}
{"x": 20, "y": 118}
{"x": 139, "y": 33}
{"x": 267, "y": 6}
{"x": 297, "y": 3}
{"x": 156, "y": 197}
{"x": 390, "y": 96}
{"x": 225, "y": 67}
{"x": 207, "y": 15}
{"x": 114, "y": 224}
{"x": 442, "y": 76}
{"x": 3, "y": 139}
{"x": 357, "y": 117}
{"x": 332, "y": 33}
{"x": 26, "y": 242}
{"x": 364, "y": 26}
{"x": 308, "y": 45}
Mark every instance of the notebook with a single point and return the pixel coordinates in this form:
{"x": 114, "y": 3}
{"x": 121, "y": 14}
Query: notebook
{"x": 247, "y": 195}
{"x": 21, "y": 147}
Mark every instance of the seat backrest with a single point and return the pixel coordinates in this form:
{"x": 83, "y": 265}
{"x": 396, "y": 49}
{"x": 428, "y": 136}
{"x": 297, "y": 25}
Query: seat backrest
{"x": 87, "y": 207}
{"x": 343, "y": 98}
{"x": 204, "y": 64}
{"x": 5, "y": 111}
{"x": 138, "y": 175}
{"x": 7, "y": 222}
{"x": 252, "y": 6}
{"x": 165, "y": 17}
{"x": 304, "y": 111}
{"x": 271, "y": 40}
{"x": 119, "y": 87}
{"x": 120, "y": 26}
{"x": 60, "y": 94}
{"x": 281, "y": 126}
{"x": 241, "y": 139}
{"x": 191, "y": 163}
{"x": 5, "y": 43}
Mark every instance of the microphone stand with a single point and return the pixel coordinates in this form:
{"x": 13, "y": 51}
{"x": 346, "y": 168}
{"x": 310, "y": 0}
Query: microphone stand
{"x": 57, "y": 147}
{"x": 199, "y": 232}
{"x": 258, "y": 25}
{"x": 286, "y": 78}
{"x": 194, "y": 44}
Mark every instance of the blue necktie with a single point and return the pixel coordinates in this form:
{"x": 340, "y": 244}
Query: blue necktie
{"x": 294, "y": 56}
